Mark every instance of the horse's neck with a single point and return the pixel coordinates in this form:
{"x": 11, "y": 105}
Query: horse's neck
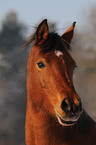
{"x": 44, "y": 127}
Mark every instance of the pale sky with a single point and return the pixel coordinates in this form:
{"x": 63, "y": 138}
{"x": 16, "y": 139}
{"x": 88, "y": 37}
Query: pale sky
{"x": 61, "y": 11}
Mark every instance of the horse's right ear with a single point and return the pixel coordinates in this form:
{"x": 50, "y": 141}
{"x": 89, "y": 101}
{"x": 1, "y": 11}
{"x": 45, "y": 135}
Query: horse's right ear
{"x": 41, "y": 32}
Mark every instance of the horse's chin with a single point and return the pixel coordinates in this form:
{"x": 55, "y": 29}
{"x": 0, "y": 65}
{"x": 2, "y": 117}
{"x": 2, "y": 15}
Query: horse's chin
{"x": 67, "y": 122}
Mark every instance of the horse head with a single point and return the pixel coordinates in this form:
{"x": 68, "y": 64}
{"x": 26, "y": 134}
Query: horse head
{"x": 50, "y": 75}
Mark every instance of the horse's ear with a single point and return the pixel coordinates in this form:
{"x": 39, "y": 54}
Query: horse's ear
{"x": 41, "y": 32}
{"x": 68, "y": 35}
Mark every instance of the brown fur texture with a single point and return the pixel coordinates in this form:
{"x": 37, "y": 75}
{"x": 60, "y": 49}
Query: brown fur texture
{"x": 50, "y": 90}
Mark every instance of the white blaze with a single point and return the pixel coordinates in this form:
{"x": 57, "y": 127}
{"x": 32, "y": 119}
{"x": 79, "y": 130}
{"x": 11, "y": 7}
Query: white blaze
{"x": 58, "y": 53}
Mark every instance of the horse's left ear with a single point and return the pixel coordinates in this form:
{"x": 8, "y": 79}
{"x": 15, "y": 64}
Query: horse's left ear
{"x": 41, "y": 32}
{"x": 68, "y": 35}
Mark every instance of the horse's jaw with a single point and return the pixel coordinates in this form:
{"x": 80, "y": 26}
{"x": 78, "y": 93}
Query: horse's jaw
{"x": 67, "y": 122}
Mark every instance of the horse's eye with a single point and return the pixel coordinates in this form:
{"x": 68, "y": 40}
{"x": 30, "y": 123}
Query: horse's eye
{"x": 76, "y": 66}
{"x": 41, "y": 64}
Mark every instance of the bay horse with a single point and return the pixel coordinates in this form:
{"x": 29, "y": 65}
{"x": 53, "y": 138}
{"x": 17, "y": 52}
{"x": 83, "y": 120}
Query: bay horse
{"x": 54, "y": 112}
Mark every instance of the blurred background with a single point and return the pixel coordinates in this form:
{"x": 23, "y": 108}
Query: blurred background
{"x": 18, "y": 20}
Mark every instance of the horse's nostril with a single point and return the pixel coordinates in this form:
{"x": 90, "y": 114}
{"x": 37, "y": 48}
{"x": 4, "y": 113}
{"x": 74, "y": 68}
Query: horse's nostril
{"x": 65, "y": 105}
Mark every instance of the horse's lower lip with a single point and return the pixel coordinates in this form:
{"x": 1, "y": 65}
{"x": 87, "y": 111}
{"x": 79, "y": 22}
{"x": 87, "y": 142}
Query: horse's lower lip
{"x": 65, "y": 122}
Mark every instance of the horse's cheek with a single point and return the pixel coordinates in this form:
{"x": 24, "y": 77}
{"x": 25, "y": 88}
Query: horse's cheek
{"x": 44, "y": 78}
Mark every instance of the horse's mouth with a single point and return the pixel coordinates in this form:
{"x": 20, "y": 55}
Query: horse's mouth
{"x": 66, "y": 122}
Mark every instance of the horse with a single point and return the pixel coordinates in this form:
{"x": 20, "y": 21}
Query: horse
{"x": 54, "y": 111}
